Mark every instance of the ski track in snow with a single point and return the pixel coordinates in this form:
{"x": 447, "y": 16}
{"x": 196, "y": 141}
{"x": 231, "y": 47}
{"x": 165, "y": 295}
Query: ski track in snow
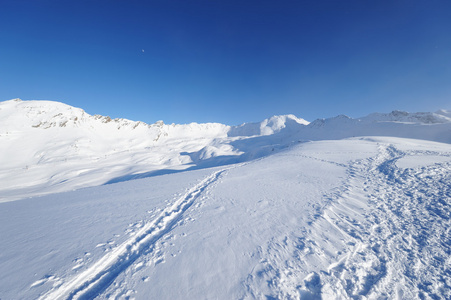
{"x": 390, "y": 229}
{"x": 94, "y": 280}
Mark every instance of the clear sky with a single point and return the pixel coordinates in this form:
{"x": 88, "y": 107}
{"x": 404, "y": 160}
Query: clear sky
{"x": 228, "y": 61}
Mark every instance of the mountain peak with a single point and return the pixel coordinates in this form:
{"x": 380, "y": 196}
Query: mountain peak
{"x": 268, "y": 126}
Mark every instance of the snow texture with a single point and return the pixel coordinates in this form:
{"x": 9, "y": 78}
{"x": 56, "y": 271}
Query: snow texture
{"x": 338, "y": 208}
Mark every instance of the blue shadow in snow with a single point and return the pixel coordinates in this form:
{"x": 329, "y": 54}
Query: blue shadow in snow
{"x": 252, "y": 148}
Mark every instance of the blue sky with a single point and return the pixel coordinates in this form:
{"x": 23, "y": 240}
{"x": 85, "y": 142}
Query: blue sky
{"x": 227, "y": 61}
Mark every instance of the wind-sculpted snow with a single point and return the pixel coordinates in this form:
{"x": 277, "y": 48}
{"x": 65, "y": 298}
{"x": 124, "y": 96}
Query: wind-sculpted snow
{"x": 94, "y": 280}
{"x": 361, "y": 218}
{"x": 269, "y": 126}
{"x": 339, "y": 208}
{"x": 385, "y": 234}
{"x": 52, "y": 147}
{"x": 425, "y": 126}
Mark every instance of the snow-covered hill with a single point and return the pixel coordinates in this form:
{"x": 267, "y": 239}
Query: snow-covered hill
{"x": 339, "y": 208}
{"x": 362, "y": 218}
{"x": 51, "y": 147}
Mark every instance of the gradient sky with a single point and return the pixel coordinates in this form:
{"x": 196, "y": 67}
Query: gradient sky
{"x": 228, "y": 61}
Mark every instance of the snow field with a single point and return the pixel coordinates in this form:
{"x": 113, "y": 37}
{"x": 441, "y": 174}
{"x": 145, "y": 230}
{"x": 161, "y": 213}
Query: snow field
{"x": 339, "y": 208}
{"x": 48, "y": 147}
{"x": 44, "y": 237}
{"x": 328, "y": 219}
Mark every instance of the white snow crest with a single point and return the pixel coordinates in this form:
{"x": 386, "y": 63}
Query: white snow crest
{"x": 63, "y": 148}
{"x": 340, "y": 208}
{"x": 268, "y": 126}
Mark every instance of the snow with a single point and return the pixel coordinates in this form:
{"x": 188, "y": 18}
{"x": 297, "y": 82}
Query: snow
{"x": 418, "y": 161}
{"x": 269, "y": 126}
{"x": 72, "y": 149}
{"x": 443, "y": 112}
{"x": 339, "y": 208}
{"x": 404, "y": 117}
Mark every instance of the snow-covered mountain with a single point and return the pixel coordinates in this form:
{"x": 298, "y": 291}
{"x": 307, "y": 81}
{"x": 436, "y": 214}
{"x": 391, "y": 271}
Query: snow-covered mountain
{"x": 339, "y": 208}
{"x": 441, "y": 116}
{"x": 50, "y": 147}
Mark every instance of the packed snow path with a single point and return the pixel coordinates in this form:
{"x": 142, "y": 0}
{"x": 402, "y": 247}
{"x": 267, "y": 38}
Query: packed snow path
{"x": 364, "y": 218}
{"x": 91, "y": 282}
{"x": 410, "y": 230}
{"x": 390, "y": 227}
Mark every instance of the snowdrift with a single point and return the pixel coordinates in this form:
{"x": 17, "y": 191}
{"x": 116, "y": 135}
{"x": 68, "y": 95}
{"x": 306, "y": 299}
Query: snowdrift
{"x": 51, "y": 147}
{"x": 360, "y": 218}
{"x": 338, "y": 208}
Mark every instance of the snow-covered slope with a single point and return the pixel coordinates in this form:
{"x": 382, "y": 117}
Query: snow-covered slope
{"x": 443, "y": 112}
{"x": 405, "y": 117}
{"x": 49, "y": 147}
{"x": 426, "y": 126}
{"x": 362, "y": 218}
{"x": 269, "y": 126}
{"x": 339, "y": 208}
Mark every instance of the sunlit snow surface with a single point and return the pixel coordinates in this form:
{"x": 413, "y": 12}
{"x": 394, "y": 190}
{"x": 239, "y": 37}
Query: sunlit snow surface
{"x": 356, "y": 218}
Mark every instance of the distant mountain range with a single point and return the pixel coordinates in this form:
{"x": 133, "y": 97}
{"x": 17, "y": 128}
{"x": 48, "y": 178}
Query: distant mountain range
{"x": 338, "y": 208}
{"x": 51, "y": 147}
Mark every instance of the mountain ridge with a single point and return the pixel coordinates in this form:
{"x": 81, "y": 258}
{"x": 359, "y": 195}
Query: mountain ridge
{"x": 268, "y": 126}
{"x": 50, "y": 146}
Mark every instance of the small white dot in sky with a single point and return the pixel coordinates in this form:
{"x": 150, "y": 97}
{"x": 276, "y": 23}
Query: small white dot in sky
{"x": 142, "y": 50}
